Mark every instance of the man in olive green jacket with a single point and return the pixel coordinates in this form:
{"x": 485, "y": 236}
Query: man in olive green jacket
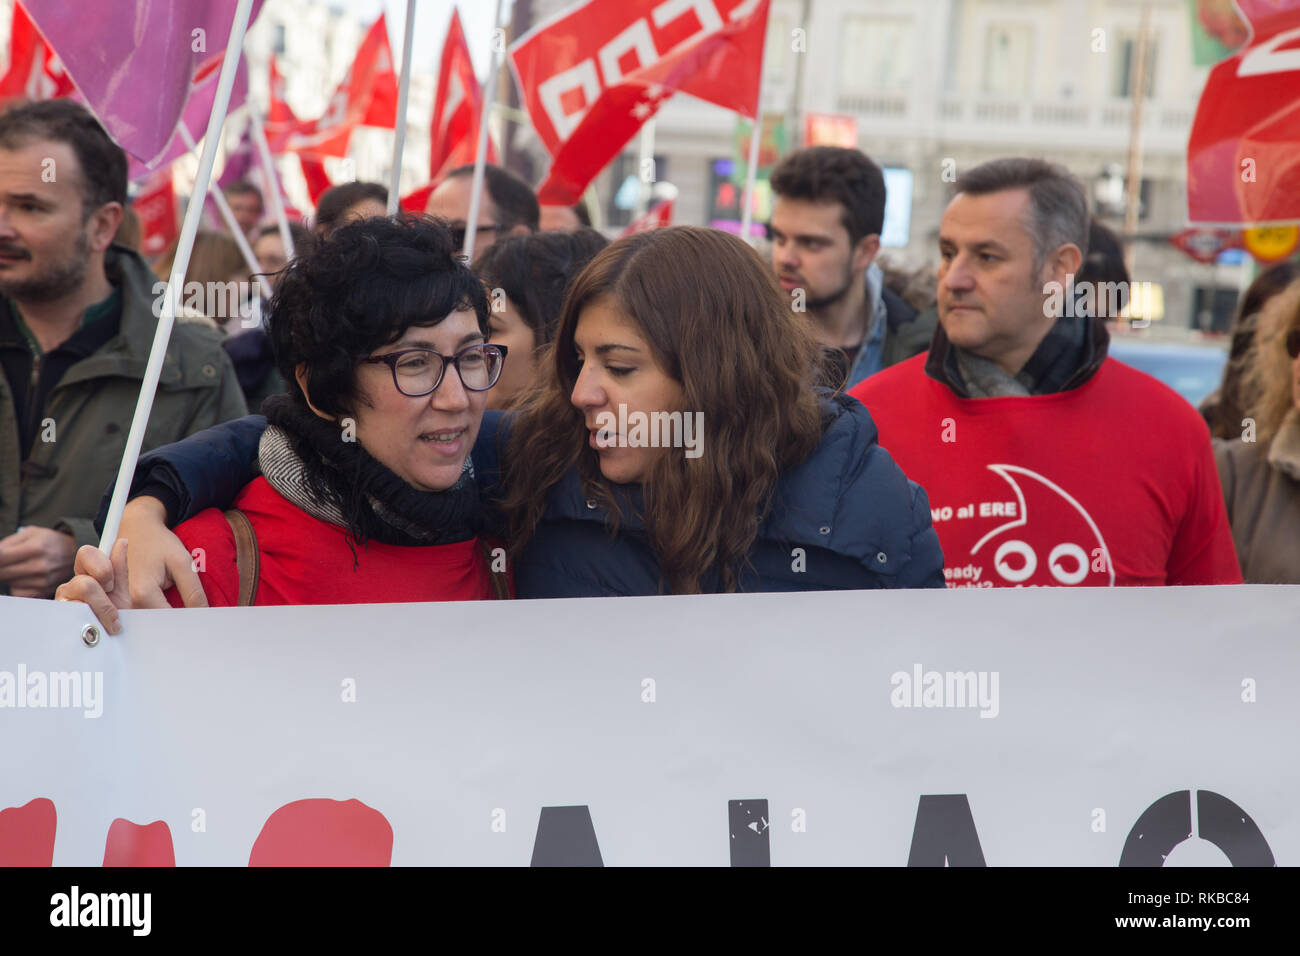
{"x": 77, "y": 319}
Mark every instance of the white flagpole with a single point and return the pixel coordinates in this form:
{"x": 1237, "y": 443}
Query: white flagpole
{"x": 273, "y": 177}
{"x": 747, "y": 212}
{"x": 189, "y": 227}
{"x": 480, "y": 156}
{"x": 403, "y": 89}
{"x": 223, "y": 207}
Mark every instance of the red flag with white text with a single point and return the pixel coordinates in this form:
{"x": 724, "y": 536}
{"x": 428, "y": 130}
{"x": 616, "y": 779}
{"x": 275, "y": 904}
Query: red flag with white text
{"x": 34, "y": 72}
{"x": 1243, "y": 156}
{"x": 457, "y": 107}
{"x": 591, "y": 76}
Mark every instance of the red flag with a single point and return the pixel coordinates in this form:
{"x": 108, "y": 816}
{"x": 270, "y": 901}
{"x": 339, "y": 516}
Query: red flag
{"x": 366, "y": 97}
{"x": 35, "y": 73}
{"x": 453, "y": 134}
{"x": 593, "y": 75}
{"x": 660, "y": 214}
{"x": 417, "y": 199}
{"x": 1243, "y": 157}
{"x": 313, "y": 170}
{"x": 279, "y": 115}
{"x": 155, "y": 204}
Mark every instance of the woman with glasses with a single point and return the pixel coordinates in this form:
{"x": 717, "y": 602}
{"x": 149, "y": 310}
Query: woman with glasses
{"x": 1260, "y": 468}
{"x": 366, "y": 492}
{"x": 675, "y": 443}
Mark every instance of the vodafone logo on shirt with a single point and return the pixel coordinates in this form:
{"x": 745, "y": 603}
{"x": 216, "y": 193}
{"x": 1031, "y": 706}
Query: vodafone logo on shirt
{"x": 1016, "y": 550}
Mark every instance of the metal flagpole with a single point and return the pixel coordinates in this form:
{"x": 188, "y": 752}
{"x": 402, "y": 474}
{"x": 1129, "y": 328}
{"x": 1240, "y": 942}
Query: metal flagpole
{"x": 480, "y": 157}
{"x": 403, "y": 88}
{"x": 223, "y": 207}
{"x": 273, "y": 177}
{"x": 189, "y": 227}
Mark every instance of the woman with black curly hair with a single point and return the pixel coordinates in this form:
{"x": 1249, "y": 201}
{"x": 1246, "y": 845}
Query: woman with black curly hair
{"x": 367, "y": 492}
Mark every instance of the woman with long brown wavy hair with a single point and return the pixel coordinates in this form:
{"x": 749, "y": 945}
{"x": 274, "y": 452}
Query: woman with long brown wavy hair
{"x": 784, "y": 487}
{"x": 674, "y": 443}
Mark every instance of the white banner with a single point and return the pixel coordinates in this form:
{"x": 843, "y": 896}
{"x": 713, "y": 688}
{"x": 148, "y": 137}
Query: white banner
{"x": 1032, "y": 727}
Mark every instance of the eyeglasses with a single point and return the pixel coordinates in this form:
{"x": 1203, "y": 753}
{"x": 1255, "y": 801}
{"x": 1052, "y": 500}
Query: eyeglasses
{"x": 458, "y": 232}
{"x": 1293, "y": 343}
{"x": 418, "y": 372}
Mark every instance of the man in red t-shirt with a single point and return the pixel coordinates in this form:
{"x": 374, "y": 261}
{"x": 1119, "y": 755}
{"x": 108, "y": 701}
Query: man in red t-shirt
{"x": 1046, "y": 462}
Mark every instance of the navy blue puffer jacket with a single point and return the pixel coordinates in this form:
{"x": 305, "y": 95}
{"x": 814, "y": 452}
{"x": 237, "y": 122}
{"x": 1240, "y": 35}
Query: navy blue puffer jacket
{"x": 847, "y": 517}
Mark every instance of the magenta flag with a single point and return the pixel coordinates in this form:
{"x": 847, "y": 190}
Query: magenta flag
{"x": 135, "y": 61}
{"x": 194, "y": 119}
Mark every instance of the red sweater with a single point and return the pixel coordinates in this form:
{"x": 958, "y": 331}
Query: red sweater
{"x": 307, "y": 561}
{"x": 1110, "y": 483}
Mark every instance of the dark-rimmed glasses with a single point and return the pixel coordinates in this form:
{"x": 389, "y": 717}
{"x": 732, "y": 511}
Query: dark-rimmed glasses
{"x": 418, "y": 372}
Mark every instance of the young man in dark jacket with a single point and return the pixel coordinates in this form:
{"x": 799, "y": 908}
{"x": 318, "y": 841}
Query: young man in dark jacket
{"x": 826, "y": 223}
{"x": 77, "y": 319}
{"x": 1046, "y": 462}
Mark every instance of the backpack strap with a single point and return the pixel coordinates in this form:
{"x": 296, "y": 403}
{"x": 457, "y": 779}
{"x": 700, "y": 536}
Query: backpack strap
{"x": 247, "y": 558}
{"x": 500, "y": 587}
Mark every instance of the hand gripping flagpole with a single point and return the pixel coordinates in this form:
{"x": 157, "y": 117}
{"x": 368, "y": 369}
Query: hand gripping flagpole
{"x": 403, "y": 89}
{"x": 189, "y": 227}
{"x": 480, "y": 156}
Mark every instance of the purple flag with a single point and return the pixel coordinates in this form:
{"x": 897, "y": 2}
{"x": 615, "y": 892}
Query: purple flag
{"x": 195, "y": 119}
{"x": 134, "y": 60}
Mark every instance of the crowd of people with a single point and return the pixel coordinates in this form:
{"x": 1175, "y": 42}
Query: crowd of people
{"x": 669, "y": 412}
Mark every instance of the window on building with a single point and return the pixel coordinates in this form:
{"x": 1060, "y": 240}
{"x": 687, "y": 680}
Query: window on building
{"x": 278, "y": 39}
{"x": 876, "y": 54}
{"x": 1125, "y": 72}
{"x": 1007, "y": 51}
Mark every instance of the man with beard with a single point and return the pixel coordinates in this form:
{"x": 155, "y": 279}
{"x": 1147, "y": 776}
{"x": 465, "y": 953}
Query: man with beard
{"x": 77, "y": 319}
{"x": 827, "y": 217}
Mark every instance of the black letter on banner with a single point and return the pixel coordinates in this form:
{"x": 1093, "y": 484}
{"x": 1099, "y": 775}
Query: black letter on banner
{"x": 945, "y": 831}
{"x": 1228, "y": 827}
{"x": 1160, "y": 828}
{"x": 750, "y": 843}
{"x": 565, "y": 837}
{"x": 1168, "y": 822}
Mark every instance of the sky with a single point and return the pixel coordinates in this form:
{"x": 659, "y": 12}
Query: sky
{"x": 431, "y": 19}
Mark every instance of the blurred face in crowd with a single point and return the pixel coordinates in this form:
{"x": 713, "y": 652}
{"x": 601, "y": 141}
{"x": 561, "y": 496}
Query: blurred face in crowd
{"x": 617, "y": 367}
{"x": 269, "y": 251}
{"x": 508, "y": 328}
{"x": 46, "y": 246}
{"x": 811, "y": 250}
{"x": 247, "y": 208}
{"x": 366, "y": 209}
{"x": 991, "y": 300}
{"x": 424, "y": 440}
{"x": 450, "y": 201}
{"x": 558, "y": 219}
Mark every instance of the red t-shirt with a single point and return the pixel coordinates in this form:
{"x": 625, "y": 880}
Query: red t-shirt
{"x": 307, "y": 561}
{"x": 1110, "y": 483}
